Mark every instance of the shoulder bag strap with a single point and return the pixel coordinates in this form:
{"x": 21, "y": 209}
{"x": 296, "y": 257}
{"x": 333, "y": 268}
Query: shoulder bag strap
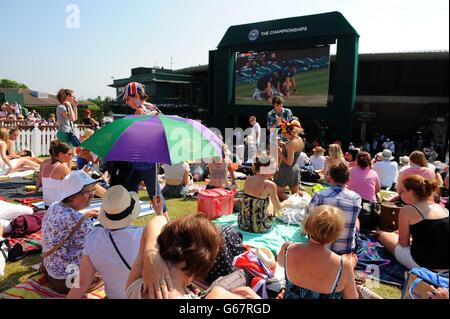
{"x": 58, "y": 246}
{"x": 118, "y": 251}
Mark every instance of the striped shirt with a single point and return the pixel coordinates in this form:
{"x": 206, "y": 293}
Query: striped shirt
{"x": 350, "y": 203}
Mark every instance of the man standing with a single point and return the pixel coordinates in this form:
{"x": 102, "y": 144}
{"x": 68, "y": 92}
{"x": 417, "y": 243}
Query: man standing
{"x": 348, "y": 201}
{"x": 289, "y": 80}
{"x": 278, "y": 114}
{"x": 256, "y": 130}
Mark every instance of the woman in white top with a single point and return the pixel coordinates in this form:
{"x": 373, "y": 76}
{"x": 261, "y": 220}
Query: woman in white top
{"x": 53, "y": 171}
{"x": 8, "y": 166}
{"x": 177, "y": 179}
{"x": 112, "y": 249}
{"x": 318, "y": 160}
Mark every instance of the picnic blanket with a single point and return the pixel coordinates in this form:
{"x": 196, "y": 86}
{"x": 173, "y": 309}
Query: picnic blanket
{"x": 36, "y": 288}
{"x": 378, "y": 263}
{"x": 17, "y": 175}
{"x": 29, "y": 243}
{"x": 273, "y": 239}
{"x": 15, "y": 189}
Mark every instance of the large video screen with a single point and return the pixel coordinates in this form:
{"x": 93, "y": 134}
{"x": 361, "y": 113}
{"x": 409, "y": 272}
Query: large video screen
{"x": 300, "y": 77}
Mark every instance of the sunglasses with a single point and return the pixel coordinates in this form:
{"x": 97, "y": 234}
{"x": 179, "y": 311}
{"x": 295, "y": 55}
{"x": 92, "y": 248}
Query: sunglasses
{"x": 88, "y": 193}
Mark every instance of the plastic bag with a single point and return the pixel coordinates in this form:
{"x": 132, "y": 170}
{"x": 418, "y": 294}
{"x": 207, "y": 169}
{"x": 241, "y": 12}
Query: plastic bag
{"x": 294, "y": 211}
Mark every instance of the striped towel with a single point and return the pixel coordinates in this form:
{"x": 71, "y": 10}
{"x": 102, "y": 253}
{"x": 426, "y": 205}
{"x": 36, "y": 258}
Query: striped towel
{"x": 36, "y": 288}
{"x": 97, "y": 203}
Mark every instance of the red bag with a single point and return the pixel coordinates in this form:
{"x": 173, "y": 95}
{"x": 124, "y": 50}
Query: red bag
{"x": 26, "y": 224}
{"x": 216, "y": 202}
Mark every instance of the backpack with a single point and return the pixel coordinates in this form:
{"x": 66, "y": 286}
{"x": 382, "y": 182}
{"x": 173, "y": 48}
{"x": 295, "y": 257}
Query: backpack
{"x": 309, "y": 175}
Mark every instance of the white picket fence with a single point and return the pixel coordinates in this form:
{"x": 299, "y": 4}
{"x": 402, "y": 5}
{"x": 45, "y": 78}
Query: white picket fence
{"x": 38, "y": 139}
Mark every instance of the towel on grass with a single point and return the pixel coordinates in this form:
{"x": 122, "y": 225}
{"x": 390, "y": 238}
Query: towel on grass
{"x": 37, "y": 288}
{"x": 273, "y": 239}
{"x": 97, "y": 203}
{"x": 17, "y": 175}
{"x": 378, "y": 263}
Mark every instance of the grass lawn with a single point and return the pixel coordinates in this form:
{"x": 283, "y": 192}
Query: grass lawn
{"x": 20, "y": 271}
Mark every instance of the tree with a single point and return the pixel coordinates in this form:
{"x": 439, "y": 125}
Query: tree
{"x": 6, "y": 83}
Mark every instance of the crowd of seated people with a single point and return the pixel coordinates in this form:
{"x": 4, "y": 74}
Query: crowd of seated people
{"x": 166, "y": 257}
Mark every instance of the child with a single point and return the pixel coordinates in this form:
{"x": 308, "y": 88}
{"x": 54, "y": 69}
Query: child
{"x": 84, "y": 156}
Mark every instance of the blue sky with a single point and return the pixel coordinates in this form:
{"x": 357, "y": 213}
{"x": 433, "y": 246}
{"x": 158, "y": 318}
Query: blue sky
{"x": 114, "y": 36}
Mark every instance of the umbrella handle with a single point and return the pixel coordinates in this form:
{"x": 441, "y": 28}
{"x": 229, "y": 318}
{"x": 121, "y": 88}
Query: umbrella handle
{"x": 156, "y": 178}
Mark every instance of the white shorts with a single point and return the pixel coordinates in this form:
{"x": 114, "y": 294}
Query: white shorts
{"x": 403, "y": 256}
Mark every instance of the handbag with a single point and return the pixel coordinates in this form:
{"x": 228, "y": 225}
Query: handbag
{"x": 72, "y": 137}
{"x": 420, "y": 282}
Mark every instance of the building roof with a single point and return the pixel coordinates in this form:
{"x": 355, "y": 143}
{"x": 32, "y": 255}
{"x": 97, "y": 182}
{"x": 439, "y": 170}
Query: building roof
{"x": 33, "y": 98}
{"x": 193, "y": 69}
{"x": 409, "y": 55}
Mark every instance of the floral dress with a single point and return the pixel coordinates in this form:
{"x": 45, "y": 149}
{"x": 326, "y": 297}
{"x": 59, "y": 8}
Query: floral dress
{"x": 58, "y": 221}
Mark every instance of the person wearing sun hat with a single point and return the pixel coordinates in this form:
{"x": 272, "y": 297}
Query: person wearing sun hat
{"x": 318, "y": 159}
{"x": 135, "y": 97}
{"x": 64, "y": 228}
{"x": 112, "y": 249}
{"x": 387, "y": 170}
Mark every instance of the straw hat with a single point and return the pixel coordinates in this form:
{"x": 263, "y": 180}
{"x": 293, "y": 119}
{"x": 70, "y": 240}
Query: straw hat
{"x": 387, "y": 155}
{"x": 319, "y": 150}
{"x": 404, "y": 160}
{"x": 120, "y": 208}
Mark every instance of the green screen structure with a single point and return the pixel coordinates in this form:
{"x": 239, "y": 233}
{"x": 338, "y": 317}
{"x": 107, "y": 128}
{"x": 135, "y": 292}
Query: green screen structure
{"x": 229, "y": 100}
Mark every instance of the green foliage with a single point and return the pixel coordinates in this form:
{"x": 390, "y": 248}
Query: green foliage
{"x": 6, "y": 83}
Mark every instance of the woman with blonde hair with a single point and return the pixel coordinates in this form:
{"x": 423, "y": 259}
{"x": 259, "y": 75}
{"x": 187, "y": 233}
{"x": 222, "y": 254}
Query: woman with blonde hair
{"x": 289, "y": 173}
{"x": 312, "y": 271}
{"x": 8, "y": 166}
{"x": 335, "y": 157}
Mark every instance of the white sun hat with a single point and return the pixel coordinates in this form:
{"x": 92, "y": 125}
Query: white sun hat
{"x": 74, "y": 182}
{"x": 119, "y": 209}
